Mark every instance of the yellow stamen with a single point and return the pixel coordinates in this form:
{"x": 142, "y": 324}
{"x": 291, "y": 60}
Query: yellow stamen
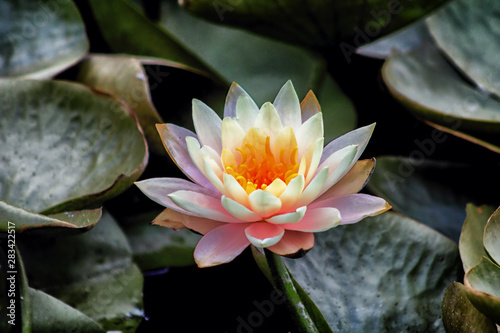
{"x": 258, "y": 166}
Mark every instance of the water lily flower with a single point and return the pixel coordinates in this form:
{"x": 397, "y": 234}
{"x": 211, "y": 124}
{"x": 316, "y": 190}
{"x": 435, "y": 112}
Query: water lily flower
{"x": 261, "y": 177}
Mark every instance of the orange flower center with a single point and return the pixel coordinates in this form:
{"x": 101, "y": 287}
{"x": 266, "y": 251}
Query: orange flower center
{"x": 259, "y": 167}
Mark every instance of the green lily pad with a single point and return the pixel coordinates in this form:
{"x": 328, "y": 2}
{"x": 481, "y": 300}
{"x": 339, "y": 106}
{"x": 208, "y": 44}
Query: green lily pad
{"x": 65, "y": 147}
{"x": 92, "y": 272}
{"x": 467, "y": 31}
{"x": 427, "y": 190}
{"x": 32, "y": 313}
{"x": 384, "y": 274}
{"x": 155, "y": 247}
{"x": 66, "y": 222}
{"x": 483, "y": 288}
{"x": 432, "y": 90}
{"x": 460, "y": 316}
{"x": 471, "y": 239}
{"x": 403, "y": 40}
{"x": 124, "y": 77}
{"x": 52, "y": 315}
{"x": 247, "y": 59}
{"x": 491, "y": 238}
{"x": 39, "y": 39}
{"x": 317, "y": 23}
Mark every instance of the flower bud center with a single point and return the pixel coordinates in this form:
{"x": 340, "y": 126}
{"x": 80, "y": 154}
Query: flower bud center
{"x": 259, "y": 167}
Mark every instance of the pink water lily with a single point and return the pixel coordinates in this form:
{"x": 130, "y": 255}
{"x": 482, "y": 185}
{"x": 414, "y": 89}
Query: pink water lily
{"x": 261, "y": 177}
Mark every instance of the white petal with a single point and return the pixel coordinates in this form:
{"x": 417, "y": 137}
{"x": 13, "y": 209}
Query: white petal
{"x": 239, "y": 211}
{"x": 207, "y": 125}
{"x": 264, "y": 234}
{"x": 276, "y": 187}
{"x": 292, "y": 192}
{"x": 213, "y": 173}
{"x": 193, "y": 147}
{"x": 263, "y": 203}
{"x": 201, "y": 205}
{"x": 340, "y": 162}
{"x": 314, "y": 161}
{"x": 232, "y": 134}
{"x": 210, "y": 152}
{"x": 288, "y": 106}
{"x": 359, "y": 137}
{"x": 235, "y": 91}
{"x": 234, "y": 190}
{"x": 309, "y": 132}
{"x": 246, "y": 112}
{"x": 353, "y": 181}
{"x": 268, "y": 120}
{"x": 313, "y": 189}
{"x": 289, "y": 217}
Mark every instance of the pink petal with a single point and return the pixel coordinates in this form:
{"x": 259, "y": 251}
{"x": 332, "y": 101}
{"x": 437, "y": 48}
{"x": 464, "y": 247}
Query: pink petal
{"x": 207, "y": 125}
{"x": 159, "y": 189}
{"x": 309, "y": 106}
{"x": 354, "y": 207}
{"x": 174, "y": 139}
{"x": 221, "y": 245}
{"x": 263, "y": 234}
{"x": 203, "y": 205}
{"x": 171, "y": 219}
{"x": 359, "y": 137}
{"x": 316, "y": 220}
{"x": 232, "y": 98}
{"x": 353, "y": 181}
{"x": 293, "y": 242}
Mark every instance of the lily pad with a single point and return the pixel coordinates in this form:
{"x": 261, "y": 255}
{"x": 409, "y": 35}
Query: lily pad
{"x": 247, "y": 59}
{"x": 403, "y": 40}
{"x": 124, "y": 27}
{"x": 52, "y": 315}
{"x": 92, "y": 272}
{"x": 66, "y": 222}
{"x": 491, "y": 238}
{"x": 483, "y": 288}
{"x": 427, "y": 190}
{"x": 468, "y": 32}
{"x": 39, "y": 39}
{"x": 385, "y": 274}
{"x": 155, "y": 247}
{"x": 471, "y": 239}
{"x": 124, "y": 77}
{"x": 65, "y": 147}
{"x": 432, "y": 90}
{"x": 316, "y": 23}
{"x": 460, "y": 316}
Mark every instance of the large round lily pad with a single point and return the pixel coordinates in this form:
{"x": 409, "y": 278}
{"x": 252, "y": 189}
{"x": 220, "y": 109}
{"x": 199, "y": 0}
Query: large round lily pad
{"x": 384, "y": 274}
{"x": 39, "y": 38}
{"x": 65, "y": 147}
